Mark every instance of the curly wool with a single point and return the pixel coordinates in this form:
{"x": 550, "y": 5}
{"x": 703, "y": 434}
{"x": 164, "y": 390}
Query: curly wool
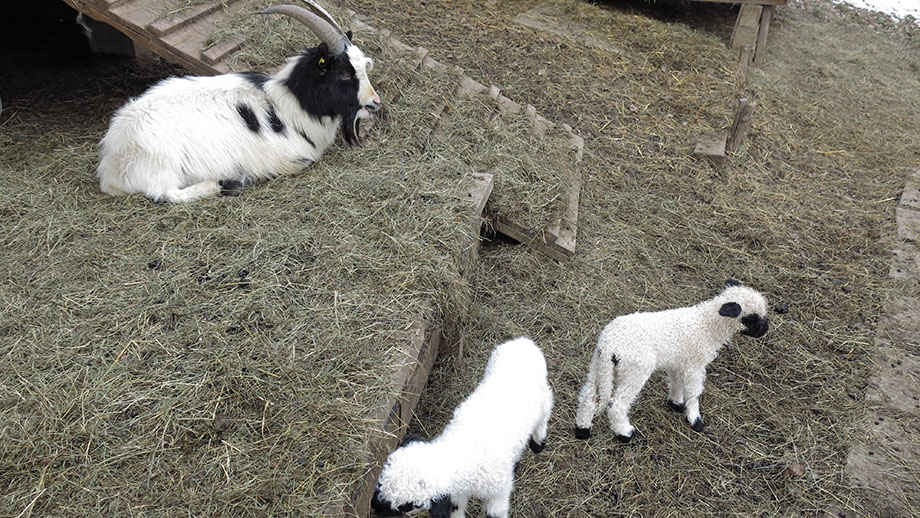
{"x": 679, "y": 341}
{"x": 476, "y": 453}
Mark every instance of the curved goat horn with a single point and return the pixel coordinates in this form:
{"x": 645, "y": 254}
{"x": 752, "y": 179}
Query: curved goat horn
{"x": 322, "y": 13}
{"x": 330, "y": 34}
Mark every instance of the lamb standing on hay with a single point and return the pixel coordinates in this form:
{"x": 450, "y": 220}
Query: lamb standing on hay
{"x": 191, "y": 137}
{"x": 476, "y": 453}
{"x": 679, "y": 341}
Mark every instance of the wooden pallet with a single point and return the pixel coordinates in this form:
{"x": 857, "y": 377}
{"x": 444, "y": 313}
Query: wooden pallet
{"x": 180, "y": 38}
{"x": 751, "y": 26}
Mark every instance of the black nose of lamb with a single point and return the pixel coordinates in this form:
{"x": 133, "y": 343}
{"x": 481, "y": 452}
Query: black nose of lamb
{"x": 756, "y": 328}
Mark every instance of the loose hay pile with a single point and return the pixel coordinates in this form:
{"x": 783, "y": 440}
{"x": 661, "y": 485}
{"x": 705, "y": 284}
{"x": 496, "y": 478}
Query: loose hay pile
{"x": 223, "y": 358}
{"x": 803, "y": 211}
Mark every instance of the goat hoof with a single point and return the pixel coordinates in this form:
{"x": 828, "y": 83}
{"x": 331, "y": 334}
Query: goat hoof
{"x": 677, "y": 407}
{"x": 582, "y": 433}
{"x": 537, "y": 447}
{"x": 698, "y": 425}
{"x": 230, "y": 188}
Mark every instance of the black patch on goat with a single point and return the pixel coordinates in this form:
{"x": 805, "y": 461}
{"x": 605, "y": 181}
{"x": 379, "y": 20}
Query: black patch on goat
{"x": 257, "y": 79}
{"x": 582, "y": 433}
{"x": 249, "y": 117}
{"x": 326, "y": 86}
{"x": 730, "y": 283}
{"x": 306, "y": 137}
{"x": 754, "y": 326}
{"x": 276, "y": 124}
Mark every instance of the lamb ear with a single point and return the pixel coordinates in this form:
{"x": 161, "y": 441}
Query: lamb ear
{"x": 441, "y": 507}
{"x": 730, "y": 309}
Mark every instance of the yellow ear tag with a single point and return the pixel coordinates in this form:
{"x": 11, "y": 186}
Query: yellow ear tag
{"x": 322, "y": 61}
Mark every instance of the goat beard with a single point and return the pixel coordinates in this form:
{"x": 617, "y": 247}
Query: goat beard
{"x": 352, "y": 129}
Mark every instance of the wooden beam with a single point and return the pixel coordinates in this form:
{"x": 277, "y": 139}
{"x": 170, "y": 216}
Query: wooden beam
{"x": 759, "y": 2}
{"x": 712, "y": 148}
{"x": 740, "y": 124}
{"x": 765, "y": 20}
{"x": 746, "y": 26}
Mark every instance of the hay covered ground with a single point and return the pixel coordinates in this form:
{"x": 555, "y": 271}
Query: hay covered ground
{"x": 230, "y": 357}
{"x": 804, "y": 211}
{"x": 216, "y": 359}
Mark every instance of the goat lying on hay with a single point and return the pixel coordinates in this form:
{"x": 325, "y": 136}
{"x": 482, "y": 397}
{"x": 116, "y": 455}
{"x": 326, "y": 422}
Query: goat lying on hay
{"x": 191, "y": 137}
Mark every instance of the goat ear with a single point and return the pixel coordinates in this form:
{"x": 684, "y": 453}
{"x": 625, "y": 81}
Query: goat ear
{"x": 322, "y": 57}
{"x": 348, "y": 35}
{"x": 409, "y": 439}
{"x": 441, "y": 507}
{"x": 731, "y": 283}
{"x": 730, "y": 309}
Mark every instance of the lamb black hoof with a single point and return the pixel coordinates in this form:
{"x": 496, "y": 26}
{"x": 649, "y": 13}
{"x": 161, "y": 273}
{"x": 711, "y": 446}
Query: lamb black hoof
{"x": 698, "y": 425}
{"x": 677, "y": 407}
{"x": 625, "y": 438}
{"x": 230, "y": 187}
{"x": 582, "y": 433}
{"x": 537, "y": 447}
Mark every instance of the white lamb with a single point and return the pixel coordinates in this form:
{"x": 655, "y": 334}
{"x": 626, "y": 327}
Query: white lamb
{"x": 476, "y": 454}
{"x": 679, "y": 341}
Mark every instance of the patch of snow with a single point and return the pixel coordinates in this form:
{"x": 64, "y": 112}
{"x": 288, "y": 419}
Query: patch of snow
{"x": 896, "y": 8}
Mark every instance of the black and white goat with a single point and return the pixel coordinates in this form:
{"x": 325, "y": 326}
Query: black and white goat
{"x": 191, "y": 137}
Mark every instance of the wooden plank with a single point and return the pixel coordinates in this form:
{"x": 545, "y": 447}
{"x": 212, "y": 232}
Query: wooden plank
{"x": 181, "y": 19}
{"x": 760, "y": 2}
{"x": 740, "y": 124}
{"x": 746, "y": 26}
{"x": 393, "y": 415}
{"x": 711, "y": 148}
{"x": 566, "y": 229}
{"x": 219, "y": 52}
{"x": 765, "y": 20}
{"x": 541, "y": 241}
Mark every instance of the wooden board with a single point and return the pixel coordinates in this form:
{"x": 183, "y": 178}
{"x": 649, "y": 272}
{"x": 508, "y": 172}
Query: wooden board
{"x": 747, "y": 26}
{"x": 179, "y": 38}
{"x": 760, "y": 2}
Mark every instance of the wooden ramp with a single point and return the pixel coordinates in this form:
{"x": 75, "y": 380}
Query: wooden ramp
{"x": 178, "y": 38}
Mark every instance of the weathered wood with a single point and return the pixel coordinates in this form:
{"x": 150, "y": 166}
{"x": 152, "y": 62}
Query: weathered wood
{"x": 394, "y": 415}
{"x": 181, "y": 19}
{"x": 760, "y": 2}
{"x": 712, "y": 148}
{"x": 765, "y": 19}
{"x": 541, "y": 241}
{"x": 746, "y": 26}
{"x": 219, "y": 52}
{"x": 740, "y": 124}
{"x": 744, "y": 60}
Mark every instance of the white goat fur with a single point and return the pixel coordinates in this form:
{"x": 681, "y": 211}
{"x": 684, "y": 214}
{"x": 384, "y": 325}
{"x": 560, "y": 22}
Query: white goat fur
{"x": 679, "y": 341}
{"x": 476, "y": 453}
{"x": 184, "y": 135}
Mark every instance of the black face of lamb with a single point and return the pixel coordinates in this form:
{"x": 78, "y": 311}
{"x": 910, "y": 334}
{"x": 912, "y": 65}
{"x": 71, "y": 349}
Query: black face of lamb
{"x": 754, "y": 326}
{"x": 383, "y": 508}
{"x": 327, "y": 85}
{"x": 442, "y": 507}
